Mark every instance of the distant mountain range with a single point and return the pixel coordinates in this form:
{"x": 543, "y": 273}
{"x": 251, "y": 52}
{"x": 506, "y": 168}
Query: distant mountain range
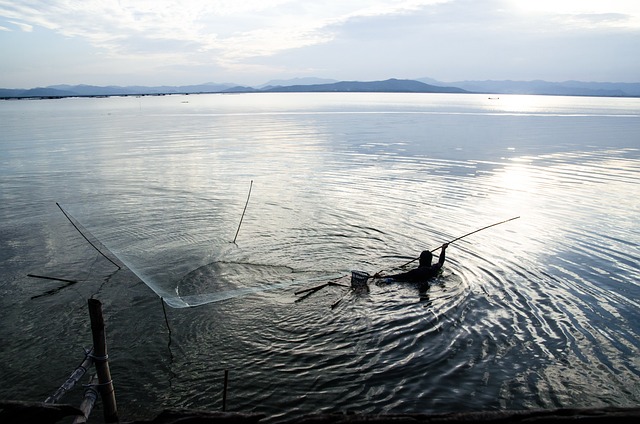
{"x": 304, "y": 85}
{"x": 387, "y": 86}
{"x": 566, "y": 88}
{"x": 92, "y": 90}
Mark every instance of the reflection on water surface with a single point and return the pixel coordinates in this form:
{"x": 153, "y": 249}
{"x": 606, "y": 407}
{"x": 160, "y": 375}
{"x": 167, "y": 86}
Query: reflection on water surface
{"x": 539, "y": 312}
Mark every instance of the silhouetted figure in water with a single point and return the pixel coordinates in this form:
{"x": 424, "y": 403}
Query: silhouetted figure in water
{"x": 424, "y": 272}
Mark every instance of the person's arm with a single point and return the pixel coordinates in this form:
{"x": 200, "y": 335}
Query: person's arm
{"x": 442, "y": 255}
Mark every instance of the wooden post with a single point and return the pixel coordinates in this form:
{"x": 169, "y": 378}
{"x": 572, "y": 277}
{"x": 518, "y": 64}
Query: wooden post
{"x": 101, "y": 360}
{"x": 90, "y": 396}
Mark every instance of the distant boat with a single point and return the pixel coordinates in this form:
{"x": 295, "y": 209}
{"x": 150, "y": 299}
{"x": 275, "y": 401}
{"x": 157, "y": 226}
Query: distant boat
{"x": 494, "y": 98}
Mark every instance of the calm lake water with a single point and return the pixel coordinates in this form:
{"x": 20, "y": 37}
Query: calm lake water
{"x": 539, "y": 312}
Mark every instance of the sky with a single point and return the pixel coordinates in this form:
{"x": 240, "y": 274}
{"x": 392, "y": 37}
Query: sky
{"x": 250, "y": 42}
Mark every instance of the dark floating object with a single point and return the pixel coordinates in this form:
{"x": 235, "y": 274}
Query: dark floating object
{"x": 358, "y": 284}
{"x": 312, "y": 290}
{"x": 359, "y": 280}
{"x": 52, "y": 291}
{"x": 52, "y": 278}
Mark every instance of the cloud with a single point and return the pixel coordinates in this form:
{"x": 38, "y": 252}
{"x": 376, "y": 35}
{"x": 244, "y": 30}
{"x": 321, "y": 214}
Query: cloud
{"x": 386, "y": 38}
{"x": 597, "y": 20}
{"x": 234, "y": 30}
{"x": 24, "y": 27}
{"x": 238, "y": 30}
{"x": 588, "y": 14}
{"x": 468, "y": 40}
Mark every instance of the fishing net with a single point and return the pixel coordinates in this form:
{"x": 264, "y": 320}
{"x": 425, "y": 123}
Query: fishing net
{"x": 171, "y": 252}
{"x": 359, "y": 280}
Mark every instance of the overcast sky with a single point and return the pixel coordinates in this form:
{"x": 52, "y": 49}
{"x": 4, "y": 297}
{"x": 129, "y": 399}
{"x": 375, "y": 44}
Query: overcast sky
{"x": 249, "y": 42}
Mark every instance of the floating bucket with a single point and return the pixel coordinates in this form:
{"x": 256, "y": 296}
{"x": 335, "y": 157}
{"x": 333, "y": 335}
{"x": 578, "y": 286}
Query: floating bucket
{"x": 359, "y": 280}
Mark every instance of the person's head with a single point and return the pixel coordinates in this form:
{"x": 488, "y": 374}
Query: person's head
{"x": 425, "y": 258}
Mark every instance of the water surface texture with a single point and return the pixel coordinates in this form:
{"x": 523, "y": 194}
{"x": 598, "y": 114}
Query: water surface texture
{"x": 539, "y": 312}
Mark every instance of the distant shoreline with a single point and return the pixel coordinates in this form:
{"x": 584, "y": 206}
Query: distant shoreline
{"x": 494, "y": 96}
{"x": 493, "y": 88}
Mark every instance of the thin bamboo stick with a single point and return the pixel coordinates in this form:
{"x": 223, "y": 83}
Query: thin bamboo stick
{"x": 64, "y": 280}
{"x": 73, "y": 379}
{"x": 458, "y": 238}
{"x": 245, "y": 209}
{"x": 68, "y": 216}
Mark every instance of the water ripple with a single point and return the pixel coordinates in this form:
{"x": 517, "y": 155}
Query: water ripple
{"x": 539, "y": 312}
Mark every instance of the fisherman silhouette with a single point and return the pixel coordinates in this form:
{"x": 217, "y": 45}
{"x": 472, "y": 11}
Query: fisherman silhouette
{"x": 423, "y": 273}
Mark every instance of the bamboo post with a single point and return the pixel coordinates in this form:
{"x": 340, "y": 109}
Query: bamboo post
{"x": 101, "y": 359}
{"x": 73, "y": 379}
{"x": 90, "y": 396}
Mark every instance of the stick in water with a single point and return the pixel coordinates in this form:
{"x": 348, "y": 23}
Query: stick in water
{"x": 64, "y": 280}
{"x": 245, "y": 209}
{"x": 85, "y": 237}
{"x": 461, "y": 237}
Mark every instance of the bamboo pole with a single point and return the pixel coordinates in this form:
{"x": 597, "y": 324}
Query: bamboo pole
{"x": 456, "y": 239}
{"x": 101, "y": 359}
{"x": 242, "y": 217}
{"x": 73, "y": 379}
{"x": 85, "y": 237}
{"x": 90, "y": 396}
{"x": 312, "y": 289}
